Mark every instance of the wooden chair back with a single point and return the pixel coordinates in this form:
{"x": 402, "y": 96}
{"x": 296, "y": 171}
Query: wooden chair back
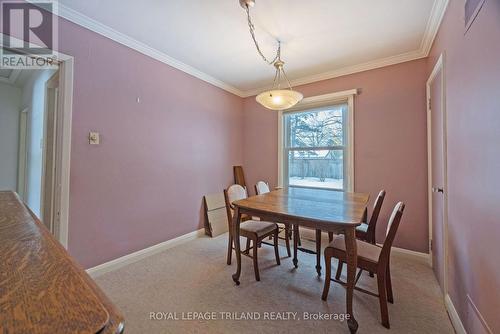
{"x": 262, "y": 187}
{"x": 239, "y": 176}
{"x": 232, "y": 194}
{"x": 377, "y": 206}
{"x": 392, "y": 228}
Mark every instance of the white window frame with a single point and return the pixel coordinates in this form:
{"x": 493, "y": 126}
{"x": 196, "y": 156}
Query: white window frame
{"x": 315, "y": 102}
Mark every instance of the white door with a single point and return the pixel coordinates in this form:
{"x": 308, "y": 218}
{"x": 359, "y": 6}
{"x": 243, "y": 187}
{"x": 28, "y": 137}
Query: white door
{"x": 437, "y": 172}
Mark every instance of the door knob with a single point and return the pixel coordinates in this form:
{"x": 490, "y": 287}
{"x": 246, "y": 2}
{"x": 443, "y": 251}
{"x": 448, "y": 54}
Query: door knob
{"x": 437, "y": 190}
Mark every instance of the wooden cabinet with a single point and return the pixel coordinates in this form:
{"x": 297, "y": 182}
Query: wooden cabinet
{"x": 42, "y": 289}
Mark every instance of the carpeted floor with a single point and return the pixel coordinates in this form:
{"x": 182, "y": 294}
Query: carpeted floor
{"x": 192, "y": 278}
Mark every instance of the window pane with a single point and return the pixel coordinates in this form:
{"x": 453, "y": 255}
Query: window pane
{"x": 316, "y": 168}
{"x": 318, "y": 128}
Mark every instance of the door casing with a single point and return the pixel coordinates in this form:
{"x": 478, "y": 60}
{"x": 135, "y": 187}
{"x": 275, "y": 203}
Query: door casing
{"x": 65, "y": 101}
{"x": 438, "y": 67}
{"x": 51, "y": 156}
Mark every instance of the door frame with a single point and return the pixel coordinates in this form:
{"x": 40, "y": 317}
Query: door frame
{"x": 65, "y": 101}
{"x": 22, "y": 156}
{"x": 50, "y": 165}
{"x": 439, "y": 66}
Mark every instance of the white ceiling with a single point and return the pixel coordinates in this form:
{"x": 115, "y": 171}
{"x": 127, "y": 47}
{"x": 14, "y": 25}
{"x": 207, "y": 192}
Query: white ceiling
{"x": 9, "y": 76}
{"x": 5, "y": 73}
{"x": 321, "y": 38}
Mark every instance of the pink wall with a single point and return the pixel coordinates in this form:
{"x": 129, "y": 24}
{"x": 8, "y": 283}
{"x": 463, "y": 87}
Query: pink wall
{"x": 472, "y": 74}
{"x": 144, "y": 184}
{"x": 390, "y": 142}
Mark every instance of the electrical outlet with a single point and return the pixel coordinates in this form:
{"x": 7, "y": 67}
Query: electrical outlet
{"x": 94, "y": 138}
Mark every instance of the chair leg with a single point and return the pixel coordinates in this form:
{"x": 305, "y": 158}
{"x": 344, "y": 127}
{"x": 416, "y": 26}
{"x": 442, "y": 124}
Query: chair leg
{"x": 339, "y": 270}
{"x": 247, "y": 249}
{"x": 229, "y": 249}
{"x": 287, "y": 240}
{"x": 255, "y": 262}
{"x": 390, "y": 297}
{"x": 330, "y": 236}
{"x": 276, "y": 251}
{"x": 372, "y": 241}
{"x": 384, "y": 312}
{"x": 328, "y": 275}
{"x": 298, "y": 237}
{"x": 318, "y": 252}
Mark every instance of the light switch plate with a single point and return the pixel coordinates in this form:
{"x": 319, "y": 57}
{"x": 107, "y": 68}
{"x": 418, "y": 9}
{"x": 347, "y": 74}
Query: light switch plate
{"x": 94, "y": 138}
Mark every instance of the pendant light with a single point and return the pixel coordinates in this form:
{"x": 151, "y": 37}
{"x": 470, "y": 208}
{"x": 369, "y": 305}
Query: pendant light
{"x": 276, "y": 98}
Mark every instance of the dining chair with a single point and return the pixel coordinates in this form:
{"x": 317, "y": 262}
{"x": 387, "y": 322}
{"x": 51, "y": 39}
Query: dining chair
{"x": 366, "y": 231}
{"x": 262, "y": 187}
{"x": 371, "y": 258}
{"x": 254, "y": 230}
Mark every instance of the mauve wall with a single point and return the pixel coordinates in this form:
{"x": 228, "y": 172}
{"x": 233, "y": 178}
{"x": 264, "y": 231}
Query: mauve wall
{"x": 390, "y": 142}
{"x": 472, "y": 74}
{"x": 144, "y": 183}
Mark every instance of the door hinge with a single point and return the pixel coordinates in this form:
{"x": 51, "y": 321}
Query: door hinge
{"x": 430, "y": 244}
{"x": 429, "y": 104}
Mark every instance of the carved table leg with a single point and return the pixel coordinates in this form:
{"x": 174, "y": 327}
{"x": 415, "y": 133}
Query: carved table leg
{"x": 352, "y": 259}
{"x": 287, "y": 239}
{"x": 236, "y": 240}
{"x": 295, "y": 244}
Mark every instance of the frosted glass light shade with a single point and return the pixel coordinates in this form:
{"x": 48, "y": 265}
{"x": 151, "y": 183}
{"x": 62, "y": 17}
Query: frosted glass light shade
{"x": 279, "y": 99}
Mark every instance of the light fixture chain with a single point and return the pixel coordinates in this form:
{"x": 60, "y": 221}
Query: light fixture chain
{"x": 286, "y": 78}
{"x": 252, "y": 32}
{"x": 275, "y": 77}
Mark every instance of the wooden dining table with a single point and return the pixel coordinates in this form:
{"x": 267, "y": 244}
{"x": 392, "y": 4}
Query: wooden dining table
{"x": 318, "y": 209}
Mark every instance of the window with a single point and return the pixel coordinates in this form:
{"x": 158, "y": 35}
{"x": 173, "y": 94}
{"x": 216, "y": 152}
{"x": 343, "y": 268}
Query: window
{"x": 316, "y": 145}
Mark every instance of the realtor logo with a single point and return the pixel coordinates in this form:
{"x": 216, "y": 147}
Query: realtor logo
{"x": 29, "y": 34}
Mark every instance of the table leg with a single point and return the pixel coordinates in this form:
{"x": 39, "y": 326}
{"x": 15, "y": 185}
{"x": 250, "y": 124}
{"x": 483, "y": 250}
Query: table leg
{"x": 352, "y": 259}
{"x": 318, "y": 252}
{"x": 236, "y": 240}
{"x": 295, "y": 244}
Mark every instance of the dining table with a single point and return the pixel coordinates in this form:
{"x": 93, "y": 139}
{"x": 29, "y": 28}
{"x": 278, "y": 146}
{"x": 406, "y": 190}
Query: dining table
{"x": 319, "y": 209}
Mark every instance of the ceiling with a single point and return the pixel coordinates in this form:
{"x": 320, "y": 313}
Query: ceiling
{"x": 9, "y": 76}
{"x": 320, "y": 38}
{"x": 5, "y": 73}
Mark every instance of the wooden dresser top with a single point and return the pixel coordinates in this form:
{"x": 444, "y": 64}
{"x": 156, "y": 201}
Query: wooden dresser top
{"x": 42, "y": 289}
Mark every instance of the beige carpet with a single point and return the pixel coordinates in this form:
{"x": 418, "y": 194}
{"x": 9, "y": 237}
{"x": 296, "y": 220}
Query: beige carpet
{"x": 194, "y": 277}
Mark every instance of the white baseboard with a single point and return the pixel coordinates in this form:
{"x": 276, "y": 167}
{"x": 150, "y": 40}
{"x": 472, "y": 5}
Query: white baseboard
{"x": 410, "y": 252}
{"x": 143, "y": 253}
{"x": 455, "y": 319}
{"x": 475, "y": 320}
{"x": 309, "y": 234}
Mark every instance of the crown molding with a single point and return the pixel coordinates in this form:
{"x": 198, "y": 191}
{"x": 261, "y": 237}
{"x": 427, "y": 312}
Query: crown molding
{"x": 101, "y": 29}
{"x": 371, "y": 65}
{"x": 432, "y": 27}
{"x": 433, "y": 24}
